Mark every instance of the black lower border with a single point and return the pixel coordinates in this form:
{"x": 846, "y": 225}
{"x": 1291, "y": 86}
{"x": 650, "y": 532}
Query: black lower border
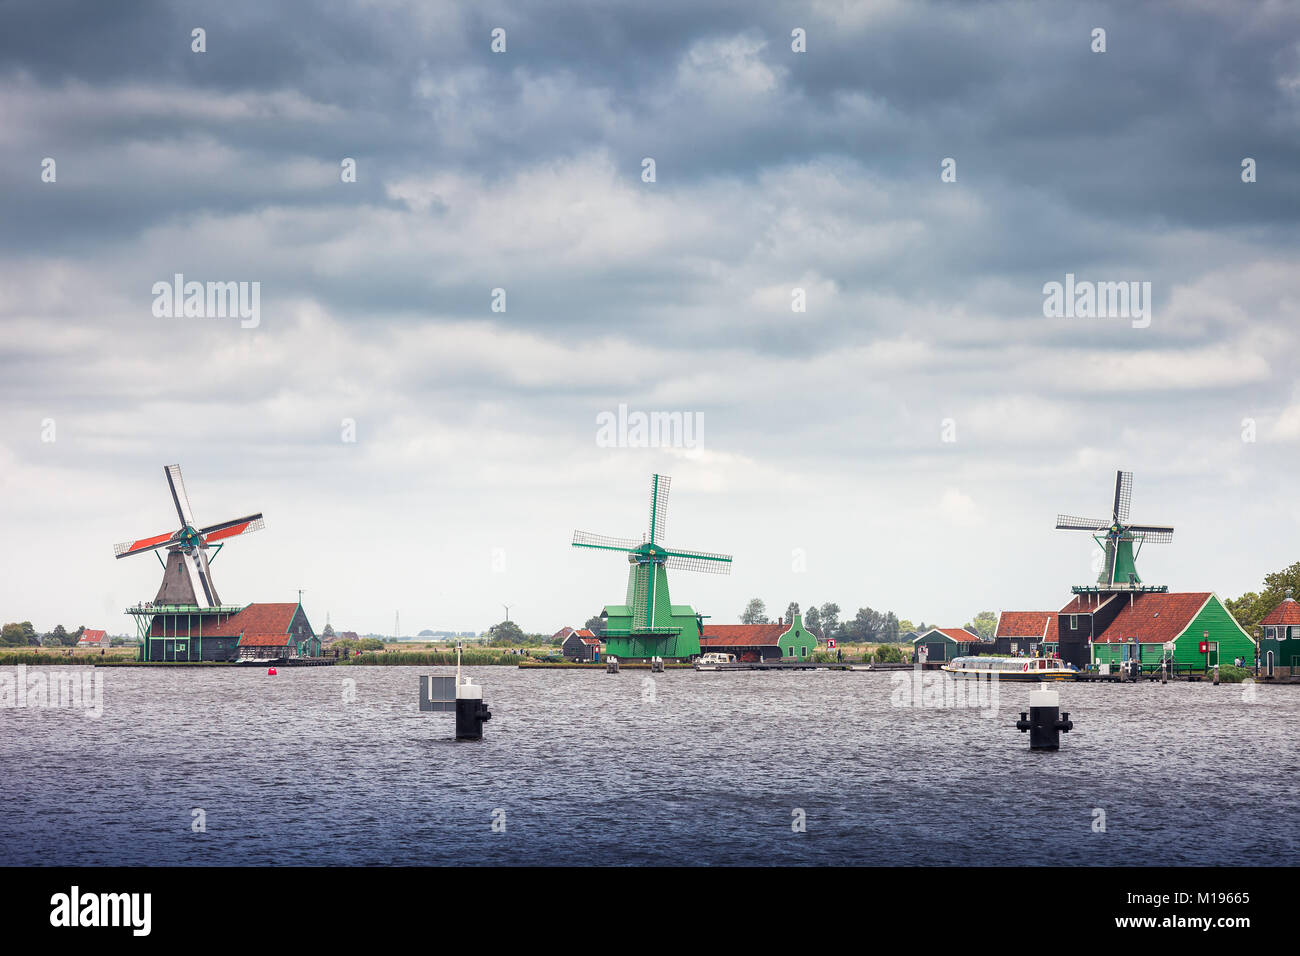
{"x": 335, "y": 905}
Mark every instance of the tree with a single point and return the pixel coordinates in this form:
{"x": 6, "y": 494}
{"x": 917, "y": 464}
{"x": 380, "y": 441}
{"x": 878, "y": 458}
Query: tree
{"x": 595, "y": 624}
{"x": 505, "y": 633}
{"x": 791, "y": 610}
{"x": 905, "y": 625}
{"x": 755, "y": 612}
{"x": 813, "y": 621}
{"x": 60, "y": 637}
{"x": 13, "y": 636}
{"x": 830, "y": 620}
{"x": 890, "y": 655}
{"x": 1250, "y": 608}
{"x": 985, "y": 623}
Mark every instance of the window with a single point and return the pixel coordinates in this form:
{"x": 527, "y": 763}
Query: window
{"x": 803, "y": 651}
{"x": 1074, "y": 622}
{"x": 789, "y": 652}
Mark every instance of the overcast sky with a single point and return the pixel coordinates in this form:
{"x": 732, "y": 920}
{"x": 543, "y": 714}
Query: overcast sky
{"x": 822, "y": 465}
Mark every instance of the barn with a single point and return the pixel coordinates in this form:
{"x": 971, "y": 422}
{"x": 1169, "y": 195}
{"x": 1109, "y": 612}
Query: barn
{"x": 945, "y": 643}
{"x": 1142, "y": 623}
{"x": 760, "y": 642}
{"x": 581, "y": 645}
{"x": 1279, "y": 643}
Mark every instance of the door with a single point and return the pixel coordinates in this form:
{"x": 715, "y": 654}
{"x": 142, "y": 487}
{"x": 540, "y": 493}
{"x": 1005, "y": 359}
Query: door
{"x": 1269, "y": 663}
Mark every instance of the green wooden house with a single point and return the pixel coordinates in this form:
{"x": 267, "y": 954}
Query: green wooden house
{"x": 1194, "y": 627}
{"x": 761, "y": 642}
{"x": 1279, "y": 641}
{"x": 945, "y": 643}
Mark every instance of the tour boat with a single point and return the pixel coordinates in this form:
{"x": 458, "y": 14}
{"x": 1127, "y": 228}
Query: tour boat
{"x": 712, "y": 662}
{"x": 1010, "y": 668}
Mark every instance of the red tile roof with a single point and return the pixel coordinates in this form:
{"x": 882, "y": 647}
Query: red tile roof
{"x": 562, "y": 634}
{"x": 1288, "y": 612}
{"x": 93, "y": 637}
{"x": 1031, "y": 624}
{"x": 591, "y": 641}
{"x": 255, "y": 619}
{"x": 741, "y": 635}
{"x": 1152, "y": 617}
{"x": 275, "y": 639}
{"x": 583, "y": 632}
{"x": 1052, "y": 635}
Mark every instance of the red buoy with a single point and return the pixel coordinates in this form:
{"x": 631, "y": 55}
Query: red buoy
{"x": 270, "y": 672}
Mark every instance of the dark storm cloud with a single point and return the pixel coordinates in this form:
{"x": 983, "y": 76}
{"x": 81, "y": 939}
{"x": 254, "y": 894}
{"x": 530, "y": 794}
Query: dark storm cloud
{"x": 1153, "y": 128}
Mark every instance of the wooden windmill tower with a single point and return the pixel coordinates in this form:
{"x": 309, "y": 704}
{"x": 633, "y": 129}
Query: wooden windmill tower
{"x": 648, "y": 624}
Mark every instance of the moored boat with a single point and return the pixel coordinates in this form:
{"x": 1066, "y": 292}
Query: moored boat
{"x": 1010, "y": 668}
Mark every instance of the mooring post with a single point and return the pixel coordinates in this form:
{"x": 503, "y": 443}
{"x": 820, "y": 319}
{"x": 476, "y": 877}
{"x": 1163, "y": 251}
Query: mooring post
{"x": 1044, "y": 721}
{"x": 1164, "y": 671}
{"x": 656, "y": 665}
{"x": 470, "y": 709}
{"x": 1216, "y": 675}
{"x": 611, "y": 665}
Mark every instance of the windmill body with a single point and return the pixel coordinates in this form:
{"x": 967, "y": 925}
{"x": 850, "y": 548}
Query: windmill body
{"x": 648, "y": 624}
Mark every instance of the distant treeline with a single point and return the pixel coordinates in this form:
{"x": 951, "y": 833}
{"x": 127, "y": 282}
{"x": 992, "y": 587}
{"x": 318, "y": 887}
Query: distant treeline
{"x": 868, "y": 626}
{"x": 23, "y": 634}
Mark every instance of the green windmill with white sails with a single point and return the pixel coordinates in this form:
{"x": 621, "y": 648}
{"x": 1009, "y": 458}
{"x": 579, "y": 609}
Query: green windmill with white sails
{"x": 648, "y": 624}
{"x": 1116, "y": 537}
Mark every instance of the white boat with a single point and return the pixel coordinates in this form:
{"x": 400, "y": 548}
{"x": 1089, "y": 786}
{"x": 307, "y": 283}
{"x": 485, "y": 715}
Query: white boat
{"x": 712, "y": 661}
{"x": 1011, "y": 668}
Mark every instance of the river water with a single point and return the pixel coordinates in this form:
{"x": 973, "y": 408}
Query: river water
{"x": 580, "y": 767}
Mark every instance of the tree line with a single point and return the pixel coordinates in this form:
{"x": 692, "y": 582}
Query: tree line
{"x": 868, "y": 626}
{"x": 23, "y": 634}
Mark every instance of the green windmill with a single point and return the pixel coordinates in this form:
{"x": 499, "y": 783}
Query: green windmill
{"x": 648, "y": 624}
{"x": 1117, "y": 537}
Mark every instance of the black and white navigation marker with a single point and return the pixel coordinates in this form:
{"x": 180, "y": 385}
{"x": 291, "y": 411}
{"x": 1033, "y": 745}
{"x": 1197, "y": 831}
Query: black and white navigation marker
{"x": 1045, "y": 721}
{"x": 459, "y": 695}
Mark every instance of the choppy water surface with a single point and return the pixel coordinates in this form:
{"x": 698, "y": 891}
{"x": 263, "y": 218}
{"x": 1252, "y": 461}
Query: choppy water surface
{"x": 588, "y": 770}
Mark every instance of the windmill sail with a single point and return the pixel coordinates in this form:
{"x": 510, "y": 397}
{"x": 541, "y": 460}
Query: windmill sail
{"x": 659, "y": 507}
{"x": 1123, "y": 494}
{"x": 179, "y": 497}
